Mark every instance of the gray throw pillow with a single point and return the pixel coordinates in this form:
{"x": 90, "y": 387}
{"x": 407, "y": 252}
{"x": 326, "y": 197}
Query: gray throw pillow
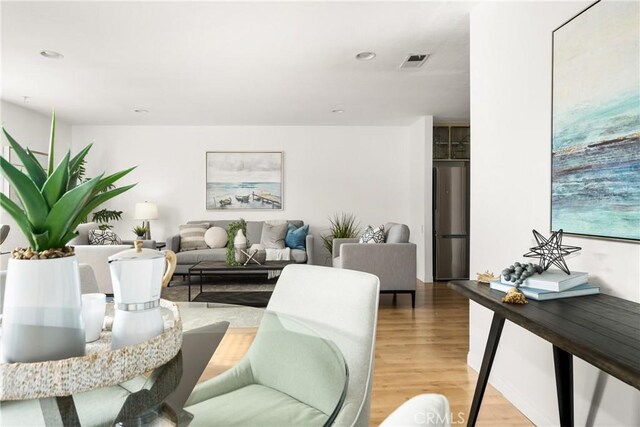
{"x": 273, "y": 236}
{"x": 396, "y": 233}
{"x": 192, "y": 237}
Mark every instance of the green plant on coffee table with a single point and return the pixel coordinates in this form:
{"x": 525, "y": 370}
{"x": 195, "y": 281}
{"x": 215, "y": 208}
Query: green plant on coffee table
{"x": 54, "y": 200}
{"x": 343, "y": 225}
{"x": 232, "y": 231}
{"x": 140, "y": 230}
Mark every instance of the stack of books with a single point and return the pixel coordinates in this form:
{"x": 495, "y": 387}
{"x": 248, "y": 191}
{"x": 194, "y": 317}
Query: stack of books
{"x": 551, "y": 284}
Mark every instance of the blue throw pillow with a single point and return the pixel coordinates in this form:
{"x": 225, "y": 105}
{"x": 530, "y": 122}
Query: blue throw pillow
{"x": 296, "y": 237}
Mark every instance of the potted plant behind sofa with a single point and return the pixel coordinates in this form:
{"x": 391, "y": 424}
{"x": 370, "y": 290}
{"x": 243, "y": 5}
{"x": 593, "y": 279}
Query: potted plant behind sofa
{"x": 343, "y": 226}
{"x": 42, "y": 304}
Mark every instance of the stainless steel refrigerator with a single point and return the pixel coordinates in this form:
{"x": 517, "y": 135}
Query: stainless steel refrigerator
{"x": 451, "y": 221}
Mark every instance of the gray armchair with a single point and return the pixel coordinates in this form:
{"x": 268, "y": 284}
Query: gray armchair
{"x": 394, "y": 262}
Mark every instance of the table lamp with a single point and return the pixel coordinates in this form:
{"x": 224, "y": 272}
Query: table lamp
{"x": 146, "y": 211}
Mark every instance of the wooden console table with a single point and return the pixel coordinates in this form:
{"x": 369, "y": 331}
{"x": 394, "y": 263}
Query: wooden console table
{"x": 599, "y": 329}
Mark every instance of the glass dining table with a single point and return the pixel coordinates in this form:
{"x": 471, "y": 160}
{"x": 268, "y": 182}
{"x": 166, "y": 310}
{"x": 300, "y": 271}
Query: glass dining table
{"x": 159, "y": 397}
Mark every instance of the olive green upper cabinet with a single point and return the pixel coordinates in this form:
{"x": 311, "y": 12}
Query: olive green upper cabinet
{"x": 451, "y": 142}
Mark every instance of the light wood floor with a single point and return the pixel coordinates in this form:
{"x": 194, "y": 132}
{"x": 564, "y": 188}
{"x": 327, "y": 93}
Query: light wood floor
{"x": 417, "y": 351}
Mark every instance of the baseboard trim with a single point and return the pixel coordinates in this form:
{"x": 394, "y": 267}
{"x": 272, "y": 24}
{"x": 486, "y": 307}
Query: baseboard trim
{"x": 515, "y": 396}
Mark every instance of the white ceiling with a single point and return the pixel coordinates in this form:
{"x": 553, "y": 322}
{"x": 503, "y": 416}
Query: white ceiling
{"x": 237, "y": 63}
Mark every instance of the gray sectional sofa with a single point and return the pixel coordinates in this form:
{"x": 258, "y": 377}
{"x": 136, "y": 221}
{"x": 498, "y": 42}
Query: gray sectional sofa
{"x": 254, "y": 231}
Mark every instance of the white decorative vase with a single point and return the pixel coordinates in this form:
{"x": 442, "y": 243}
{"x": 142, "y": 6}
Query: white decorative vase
{"x": 42, "y": 314}
{"x": 240, "y": 242}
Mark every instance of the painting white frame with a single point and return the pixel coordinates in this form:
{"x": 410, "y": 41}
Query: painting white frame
{"x": 244, "y": 180}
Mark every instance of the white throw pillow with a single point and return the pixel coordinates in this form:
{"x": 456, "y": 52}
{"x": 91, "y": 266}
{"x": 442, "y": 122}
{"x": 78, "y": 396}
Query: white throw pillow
{"x": 216, "y": 237}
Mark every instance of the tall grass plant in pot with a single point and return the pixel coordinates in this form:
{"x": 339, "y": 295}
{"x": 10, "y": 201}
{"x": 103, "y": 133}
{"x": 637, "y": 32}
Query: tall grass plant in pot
{"x": 343, "y": 226}
{"x": 42, "y": 305}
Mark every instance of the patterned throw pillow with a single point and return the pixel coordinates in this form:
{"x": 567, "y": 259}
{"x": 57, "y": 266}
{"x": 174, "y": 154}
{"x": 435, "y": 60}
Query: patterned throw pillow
{"x": 373, "y": 235}
{"x": 192, "y": 237}
{"x": 103, "y": 237}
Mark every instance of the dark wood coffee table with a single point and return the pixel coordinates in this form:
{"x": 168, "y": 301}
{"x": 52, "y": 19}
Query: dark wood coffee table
{"x": 215, "y": 268}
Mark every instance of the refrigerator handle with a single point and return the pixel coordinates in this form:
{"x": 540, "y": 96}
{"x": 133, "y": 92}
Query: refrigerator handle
{"x": 434, "y": 194}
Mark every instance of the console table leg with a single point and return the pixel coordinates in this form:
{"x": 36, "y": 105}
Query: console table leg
{"x": 563, "y": 362}
{"x": 68, "y": 411}
{"x": 489, "y": 354}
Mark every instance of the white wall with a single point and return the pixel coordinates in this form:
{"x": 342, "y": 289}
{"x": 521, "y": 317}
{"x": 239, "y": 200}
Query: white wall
{"x": 421, "y": 155}
{"x": 510, "y": 182}
{"x": 31, "y": 130}
{"x": 363, "y": 170}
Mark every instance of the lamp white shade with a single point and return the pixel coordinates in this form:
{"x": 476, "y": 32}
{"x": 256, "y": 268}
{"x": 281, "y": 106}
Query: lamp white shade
{"x": 146, "y": 211}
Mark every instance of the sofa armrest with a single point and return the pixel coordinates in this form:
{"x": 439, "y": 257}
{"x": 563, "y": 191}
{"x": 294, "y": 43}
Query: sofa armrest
{"x": 393, "y": 263}
{"x": 173, "y": 243}
{"x": 97, "y": 257}
{"x": 338, "y": 242}
{"x": 310, "y": 249}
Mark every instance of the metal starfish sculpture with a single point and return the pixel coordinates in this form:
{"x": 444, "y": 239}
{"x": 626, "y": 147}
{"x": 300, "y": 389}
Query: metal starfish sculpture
{"x": 551, "y": 251}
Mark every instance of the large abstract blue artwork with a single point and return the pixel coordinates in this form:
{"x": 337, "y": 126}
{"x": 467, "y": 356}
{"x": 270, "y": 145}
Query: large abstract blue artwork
{"x": 595, "y": 183}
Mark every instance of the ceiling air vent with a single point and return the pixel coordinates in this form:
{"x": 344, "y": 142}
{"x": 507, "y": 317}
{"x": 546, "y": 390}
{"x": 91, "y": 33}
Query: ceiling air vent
{"x": 415, "y": 60}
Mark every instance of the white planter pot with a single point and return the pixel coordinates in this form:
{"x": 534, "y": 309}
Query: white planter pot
{"x": 42, "y": 314}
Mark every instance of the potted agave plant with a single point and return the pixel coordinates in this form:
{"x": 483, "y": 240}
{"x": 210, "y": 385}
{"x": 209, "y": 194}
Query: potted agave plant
{"x": 42, "y": 305}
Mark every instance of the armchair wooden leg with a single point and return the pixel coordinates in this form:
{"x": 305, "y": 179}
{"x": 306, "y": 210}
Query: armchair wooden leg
{"x": 413, "y": 299}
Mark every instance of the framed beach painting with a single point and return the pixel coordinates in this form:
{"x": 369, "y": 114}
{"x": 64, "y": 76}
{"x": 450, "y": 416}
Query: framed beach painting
{"x": 244, "y": 180}
{"x": 595, "y": 174}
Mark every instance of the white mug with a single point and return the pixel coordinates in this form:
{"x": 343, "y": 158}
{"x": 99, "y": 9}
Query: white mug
{"x": 93, "y": 310}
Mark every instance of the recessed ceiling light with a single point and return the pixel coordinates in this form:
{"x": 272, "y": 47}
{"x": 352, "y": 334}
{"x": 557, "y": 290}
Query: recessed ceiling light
{"x": 337, "y": 111}
{"x": 140, "y": 111}
{"x": 365, "y": 56}
{"x": 51, "y": 54}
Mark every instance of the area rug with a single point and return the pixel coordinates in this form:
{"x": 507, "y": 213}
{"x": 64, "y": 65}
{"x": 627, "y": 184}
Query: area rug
{"x": 198, "y": 315}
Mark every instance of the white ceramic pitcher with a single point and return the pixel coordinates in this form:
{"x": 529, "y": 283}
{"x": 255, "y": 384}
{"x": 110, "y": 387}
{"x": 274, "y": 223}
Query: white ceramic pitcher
{"x": 138, "y": 276}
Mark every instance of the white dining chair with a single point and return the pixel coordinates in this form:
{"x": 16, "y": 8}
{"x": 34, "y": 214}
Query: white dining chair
{"x": 342, "y": 306}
